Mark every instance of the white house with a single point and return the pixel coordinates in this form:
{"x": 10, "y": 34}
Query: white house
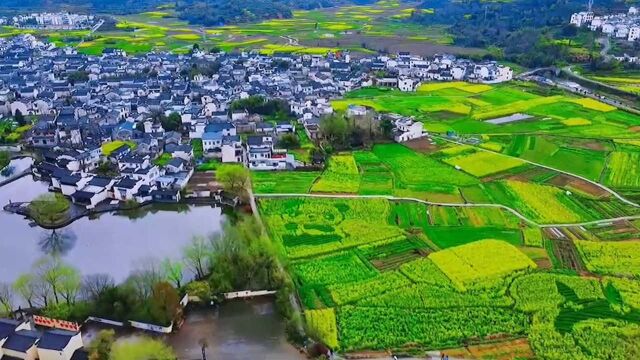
{"x": 59, "y": 345}
{"x": 407, "y": 129}
{"x": 634, "y": 33}
{"x": 126, "y": 189}
{"x": 406, "y": 84}
{"x": 232, "y": 150}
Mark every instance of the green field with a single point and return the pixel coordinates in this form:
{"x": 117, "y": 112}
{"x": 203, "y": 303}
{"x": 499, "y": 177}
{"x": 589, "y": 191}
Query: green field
{"x": 425, "y": 286}
{"x": 311, "y": 32}
{"x": 466, "y": 109}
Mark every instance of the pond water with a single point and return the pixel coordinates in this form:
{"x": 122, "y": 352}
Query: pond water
{"x": 16, "y": 166}
{"x": 111, "y": 243}
{"x": 239, "y": 330}
{"x": 117, "y": 243}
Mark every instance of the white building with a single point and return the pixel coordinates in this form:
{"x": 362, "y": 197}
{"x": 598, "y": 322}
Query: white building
{"x": 407, "y": 84}
{"x": 407, "y": 129}
{"x": 584, "y": 17}
{"x": 634, "y": 33}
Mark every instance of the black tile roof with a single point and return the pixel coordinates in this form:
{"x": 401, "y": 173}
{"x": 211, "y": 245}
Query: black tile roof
{"x": 55, "y": 340}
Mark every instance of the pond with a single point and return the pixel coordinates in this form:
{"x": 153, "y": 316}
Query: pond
{"x": 16, "y": 166}
{"x": 239, "y": 329}
{"x": 111, "y": 243}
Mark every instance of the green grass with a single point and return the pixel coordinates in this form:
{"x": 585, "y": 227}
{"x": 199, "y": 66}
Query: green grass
{"x": 108, "y": 148}
{"x": 270, "y": 182}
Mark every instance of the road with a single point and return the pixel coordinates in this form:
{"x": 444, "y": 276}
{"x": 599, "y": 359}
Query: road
{"x": 576, "y": 88}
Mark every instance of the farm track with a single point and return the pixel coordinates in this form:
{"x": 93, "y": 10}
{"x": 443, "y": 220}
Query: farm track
{"x": 389, "y": 197}
{"x": 610, "y": 191}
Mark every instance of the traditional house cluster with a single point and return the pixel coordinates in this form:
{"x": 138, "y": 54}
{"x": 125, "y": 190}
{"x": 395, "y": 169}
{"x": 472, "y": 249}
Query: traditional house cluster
{"x": 53, "y": 21}
{"x": 622, "y": 26}
{"x": 160, "y": 106}
{"x": 24, "y": 340}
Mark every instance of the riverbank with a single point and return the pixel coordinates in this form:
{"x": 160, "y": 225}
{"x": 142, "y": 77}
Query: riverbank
{"x": 78, "y": 212}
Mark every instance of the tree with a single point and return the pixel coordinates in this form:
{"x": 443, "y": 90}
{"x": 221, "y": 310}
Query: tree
{"x": 386, "y": 127}
{"x": 335, "y": 129}
{"x": 143, "y": 279}
{"x": 51, "y": 271}
{"x": 94, "y": 286}
{"x": 234, "y": 178}
{"x": 100, "y": 348}
{"x": 5, "y": 158}
{"x": 171, "y": 122}
{"x": 200, "y": 289}
{"x": 173, "y": 271}
{"x": 49, "y": 208}
{"x": 6, "y": 298}
{"x": 195, "y": 256}
{"x": 164, "y": 303}
{"x": 70, "y": 283}
{"x": 289, "y": 141}
{"x": 78, "y": 76}
{"x": 19, "y": 118}
{"x": 25, "y": 285}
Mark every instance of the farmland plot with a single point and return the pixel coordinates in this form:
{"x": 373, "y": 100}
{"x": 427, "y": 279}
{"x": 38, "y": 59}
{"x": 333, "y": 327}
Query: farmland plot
{"x": 419, "y": 172}
{"x": 483, "y": 163}
{"x": 384, "y": 328}
{"x": 277, "y": 182}
{"x": 341, "y": 176}
{"x": 480, "y": 263}
{"x": 623, "y": 170}
{"x": 611, "y": 258}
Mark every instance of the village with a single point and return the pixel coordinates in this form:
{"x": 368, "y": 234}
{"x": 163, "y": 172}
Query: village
{"x": 103, "y": 124}
{"x": 51, "y": 21}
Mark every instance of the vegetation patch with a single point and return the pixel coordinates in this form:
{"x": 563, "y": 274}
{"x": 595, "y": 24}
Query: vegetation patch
{"x": 480, "y": 263}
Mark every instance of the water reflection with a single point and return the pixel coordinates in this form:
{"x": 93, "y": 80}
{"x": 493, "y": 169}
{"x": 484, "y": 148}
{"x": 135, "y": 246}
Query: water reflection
{"x": 15, "y": 166}
{"x": 108, "y": 243}
{"x": 57, "y": 242}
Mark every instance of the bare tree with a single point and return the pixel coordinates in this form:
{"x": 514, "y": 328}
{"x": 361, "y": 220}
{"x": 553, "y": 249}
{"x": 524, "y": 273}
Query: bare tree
{"x": 42, "y": 291}
{"x": 94, "y": 285}
{"x": 145, "y": 277}
{"x": 196, "y": 255}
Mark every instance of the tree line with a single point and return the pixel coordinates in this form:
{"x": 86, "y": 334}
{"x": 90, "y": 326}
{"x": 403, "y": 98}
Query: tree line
{"x": 238, "y": 258}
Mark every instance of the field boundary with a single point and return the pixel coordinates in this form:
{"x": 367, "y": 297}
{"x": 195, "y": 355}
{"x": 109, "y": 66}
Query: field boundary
{"x": 603, "y": 187}
{"x": 394, "y": 198}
